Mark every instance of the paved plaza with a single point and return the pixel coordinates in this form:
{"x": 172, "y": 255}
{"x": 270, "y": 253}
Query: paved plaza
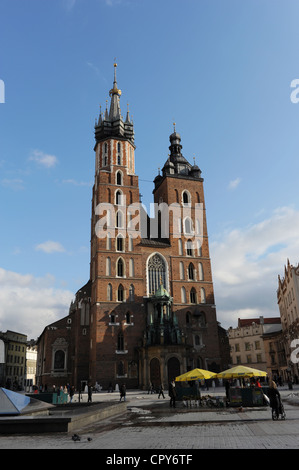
{"x": 151, "y": 424}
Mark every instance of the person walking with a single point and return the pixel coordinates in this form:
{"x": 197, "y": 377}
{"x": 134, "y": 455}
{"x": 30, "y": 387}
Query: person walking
{"x": 123, "y": 392}
{"x": 89, "y": 391}
{"x": 274, "y": 397}
{"x": 72, "y": 391}
{"x": 161, "y": 391}
{"x": 172, "y": 394}
{"x": 227, "y": 390}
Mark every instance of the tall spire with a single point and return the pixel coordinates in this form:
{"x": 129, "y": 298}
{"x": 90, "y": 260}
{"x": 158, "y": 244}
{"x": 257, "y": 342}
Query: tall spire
{"x": 111, "y": 124}
{"x": 114, "y": 113}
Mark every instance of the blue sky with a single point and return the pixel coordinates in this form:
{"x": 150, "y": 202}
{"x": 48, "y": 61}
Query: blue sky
{"x": 221, "y": 69}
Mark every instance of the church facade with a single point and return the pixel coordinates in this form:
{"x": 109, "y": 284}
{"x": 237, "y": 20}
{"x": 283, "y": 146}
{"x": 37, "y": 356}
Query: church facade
{"x": 148, "y": 311}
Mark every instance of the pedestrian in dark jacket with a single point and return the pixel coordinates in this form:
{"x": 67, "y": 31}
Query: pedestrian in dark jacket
{"x": 172, "y": 394}
{"x": 89, "y": 390}
{"x": 274, "y": 397}
{"x": 123, "y": 392}
{"x": 161, "y": 391}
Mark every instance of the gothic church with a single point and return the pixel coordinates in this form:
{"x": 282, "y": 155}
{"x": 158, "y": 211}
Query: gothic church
{"x": 148, "y": 312}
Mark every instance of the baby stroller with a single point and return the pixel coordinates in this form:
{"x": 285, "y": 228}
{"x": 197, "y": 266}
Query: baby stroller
{"x": 278, "y": 410}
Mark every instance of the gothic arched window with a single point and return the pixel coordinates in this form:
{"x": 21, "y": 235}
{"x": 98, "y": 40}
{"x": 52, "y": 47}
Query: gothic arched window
{"x": 59, "y": 359}
{"x": 109, "y": 292}
{"x": 120, "y": 268}
{"x": 119, "y": 178}
{"x": 120, "y": 293}
{"x": 120, "y": 342}
{"x": 120, "y": 245}
{"x": 202, "y": 295}
{"x": 119, "y": 222}
{"x": 192, "y": 296}
{"x": 186, "y": 198}
{"x": 183, "y": 295}
{"x": 118, "y": 198}
{"x": 191, "y": 271}
{"x": 156, "y": 270}
{"x": 131, "y": 293}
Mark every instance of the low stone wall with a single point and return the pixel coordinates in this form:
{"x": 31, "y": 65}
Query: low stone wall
{"x": 74, "y": 420}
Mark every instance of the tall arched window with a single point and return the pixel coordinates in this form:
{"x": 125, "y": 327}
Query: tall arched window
{"x": 188, "y": 228}
{"x": 128, "y": 318}
{"x": 120, "y": 293}
{"x": 192, "y": 296}
{"x": 130, "y": 243}
{"x": 119, "y": 222}
{"x": 120, "y": 342}
{"x": 120, "y": 268}
{"x": 109, "y": 292}
{"x": 59, "y": 359}
{"x": 186, "y": 198}
{"x": 189, "y": 248}
{"x": 120, "y": 243}
{"x": 108, "y": 241}
{"x": 119, "y": 178}
{"x": 183, "y": 295}
{"x": 108, "y": 266}
{"x": 182, "y": 274}
{"x": 196, "y": 340}
{"x": 202, "y": 295}
{"x": 156, "y": 270}
{"x": 118, "y": 153}
{"x": 200, "y": 272}
{"x": 131, "y": 293}
{"x": 118, "y": 197}
{"x": 120, "y": 369}
{"x": 105, "y": 159}
{"x": 131, "y": 267}
{"x": 191, "y": 272}
{"x": 199, "y": 245}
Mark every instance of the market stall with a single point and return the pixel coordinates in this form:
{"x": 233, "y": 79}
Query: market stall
{"x": 242, "y": 395}
{"x": 188, "y": 383}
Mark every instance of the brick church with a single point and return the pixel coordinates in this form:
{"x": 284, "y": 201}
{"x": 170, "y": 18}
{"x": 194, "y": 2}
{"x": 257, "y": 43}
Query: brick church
{"x": 148, "y": 312}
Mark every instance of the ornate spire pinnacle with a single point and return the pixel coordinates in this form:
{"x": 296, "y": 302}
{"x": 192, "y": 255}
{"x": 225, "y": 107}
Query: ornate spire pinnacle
{"x": 111, "y": 122}
{"x": 114, "y": 113}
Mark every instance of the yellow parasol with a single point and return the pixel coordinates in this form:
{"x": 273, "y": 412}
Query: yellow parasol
{"x": 241, "y": 371}
{"x": 195, "y": 374}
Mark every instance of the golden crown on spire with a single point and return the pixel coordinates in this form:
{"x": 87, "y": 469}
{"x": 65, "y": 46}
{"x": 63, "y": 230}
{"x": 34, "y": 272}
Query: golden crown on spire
{"x": 115, "y": 90}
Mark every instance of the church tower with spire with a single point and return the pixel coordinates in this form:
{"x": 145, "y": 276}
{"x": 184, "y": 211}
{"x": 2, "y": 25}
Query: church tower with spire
{"x": 153, "y": 312}
{"x": 147, "y": 313}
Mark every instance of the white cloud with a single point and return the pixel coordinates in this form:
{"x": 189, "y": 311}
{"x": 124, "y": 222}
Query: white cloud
{"x": 77, "y": 183}
{"x": 234, "y": 183}
{"x": 43, "y": 159}
{"x": 28, "y": 304}
{"x": 246, "y": 264}
{"x": 50, "y": 247}
{"x": 16, "y": 184}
